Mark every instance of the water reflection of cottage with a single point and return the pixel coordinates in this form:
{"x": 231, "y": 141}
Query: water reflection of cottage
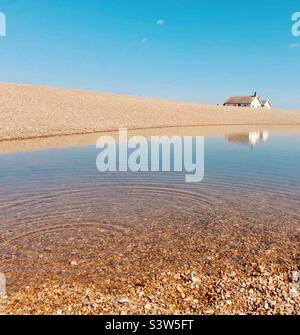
{"x": 252, "y": 138}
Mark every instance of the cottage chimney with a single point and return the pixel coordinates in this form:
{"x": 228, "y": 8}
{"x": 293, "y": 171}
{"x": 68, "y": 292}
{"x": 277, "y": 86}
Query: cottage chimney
{"x": 254, "y": 95}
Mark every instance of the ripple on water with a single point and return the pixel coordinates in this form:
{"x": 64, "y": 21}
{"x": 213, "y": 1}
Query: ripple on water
{"x": 54, "y": 213}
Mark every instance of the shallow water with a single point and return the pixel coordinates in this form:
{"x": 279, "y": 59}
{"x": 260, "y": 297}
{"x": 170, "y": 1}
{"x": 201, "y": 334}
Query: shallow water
{"x": 55, "y": 207}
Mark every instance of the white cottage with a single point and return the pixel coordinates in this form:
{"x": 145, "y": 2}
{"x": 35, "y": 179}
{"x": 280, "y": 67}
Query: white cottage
{"x": 252, "y": 101}
{"x": 266, "y": 104}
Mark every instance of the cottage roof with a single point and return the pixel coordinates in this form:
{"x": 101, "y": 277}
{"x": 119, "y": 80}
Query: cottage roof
{"x": 245, "y": 100}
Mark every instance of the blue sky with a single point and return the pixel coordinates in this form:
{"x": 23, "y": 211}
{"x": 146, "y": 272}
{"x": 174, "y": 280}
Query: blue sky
{"x": 191, "y": 50}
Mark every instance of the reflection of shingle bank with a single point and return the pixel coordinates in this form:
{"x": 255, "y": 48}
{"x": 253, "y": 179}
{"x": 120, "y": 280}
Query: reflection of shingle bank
{"x": 252, "y": 138}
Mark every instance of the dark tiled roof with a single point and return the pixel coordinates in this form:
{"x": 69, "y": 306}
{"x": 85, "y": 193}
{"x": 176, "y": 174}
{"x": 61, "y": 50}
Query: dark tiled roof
{"x": 245, "y": 100}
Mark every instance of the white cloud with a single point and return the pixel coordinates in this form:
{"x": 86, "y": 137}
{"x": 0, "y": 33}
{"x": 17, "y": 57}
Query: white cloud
{"x": 2, "y": 25}
{"x": 160, "y": 22}
{"x": 294, "y": 45}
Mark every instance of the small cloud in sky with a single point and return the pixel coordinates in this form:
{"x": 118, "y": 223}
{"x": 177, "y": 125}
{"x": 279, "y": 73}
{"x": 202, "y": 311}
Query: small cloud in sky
{"x": 144, "y": 40}
{"x": 294, "y": 45}
{"x": 160, "y": 22}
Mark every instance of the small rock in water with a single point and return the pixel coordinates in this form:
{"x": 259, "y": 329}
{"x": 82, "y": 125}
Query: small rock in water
{"x": 179, "y": 289}
{"x": 195, "y": 280}
{"x": 147, "y": 306}
{"x": 294, "y": 292}
{"x": 295, "y": 276}
{"x": 122, "y": 300}
{"x": 209, "y": 312}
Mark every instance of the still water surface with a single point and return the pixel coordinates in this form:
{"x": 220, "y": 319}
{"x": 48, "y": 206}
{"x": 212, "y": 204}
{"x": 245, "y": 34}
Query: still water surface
{"x": 56, "y": 207}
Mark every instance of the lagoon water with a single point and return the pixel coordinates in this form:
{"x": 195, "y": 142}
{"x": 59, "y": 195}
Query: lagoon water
{"x": 56, "y": 207}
